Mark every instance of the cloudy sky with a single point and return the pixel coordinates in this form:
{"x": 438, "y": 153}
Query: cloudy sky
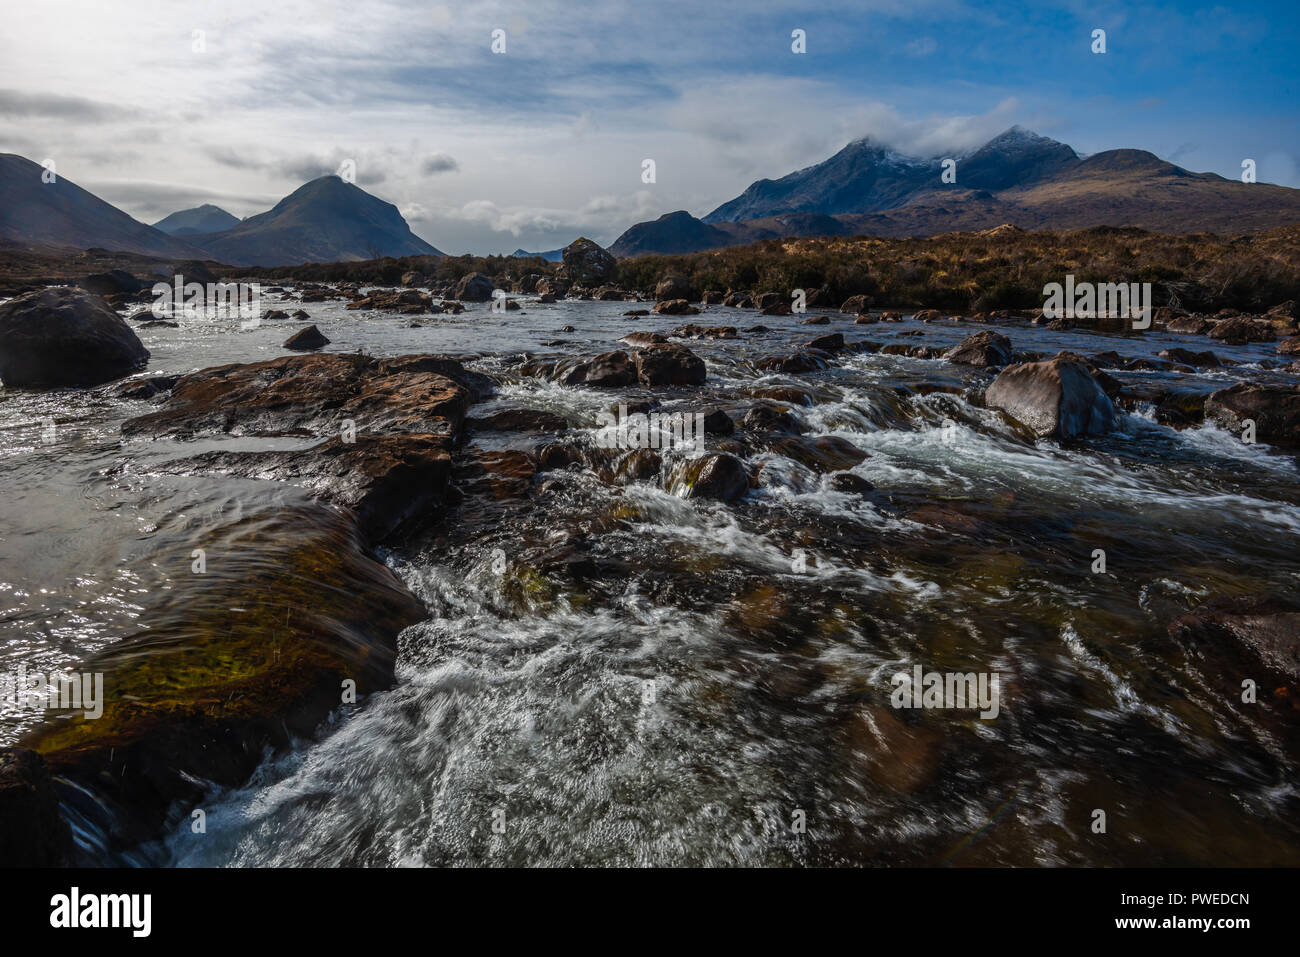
{"x": 487, "y": 152}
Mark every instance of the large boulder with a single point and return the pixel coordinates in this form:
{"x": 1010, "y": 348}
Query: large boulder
{"x": 589, "y": 264}
{"x": 1275, "y": 410}
{"x": 1058, "y": 398}
{"x": 987, "y": 348}
{"x": 64, "y": 336}
{"x": 476, "y": 287}
{"x": 667, "y": 363}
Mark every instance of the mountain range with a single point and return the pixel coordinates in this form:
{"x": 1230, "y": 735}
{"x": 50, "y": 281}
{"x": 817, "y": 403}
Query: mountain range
{"x": 324, "y": 220}
{"x": 1018, "y": 177}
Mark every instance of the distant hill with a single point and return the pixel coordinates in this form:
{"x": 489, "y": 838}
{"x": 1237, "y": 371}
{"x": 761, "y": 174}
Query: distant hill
{"x": 197, "y": 221}
{"x": 670, "y": 233}
{"x": 325, "y": 220}
{"x": 36, "y": 214}
{"x": 551, "y": 255}
{"x": 1017, "y": 178}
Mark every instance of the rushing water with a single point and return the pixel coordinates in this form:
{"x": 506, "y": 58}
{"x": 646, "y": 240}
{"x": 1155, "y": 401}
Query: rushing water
{"x": 652, "y": 680}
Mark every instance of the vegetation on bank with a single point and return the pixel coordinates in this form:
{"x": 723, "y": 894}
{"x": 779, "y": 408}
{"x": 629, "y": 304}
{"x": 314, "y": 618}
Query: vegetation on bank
{"x": 389, "y": 270}
{"x": 1002, "y": 268}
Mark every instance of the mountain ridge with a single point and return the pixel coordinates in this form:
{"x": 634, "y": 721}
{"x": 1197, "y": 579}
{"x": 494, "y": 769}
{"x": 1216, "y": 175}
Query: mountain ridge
{"x": 1018, "y": 177}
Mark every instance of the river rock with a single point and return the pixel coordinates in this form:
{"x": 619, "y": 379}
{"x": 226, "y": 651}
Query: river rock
{"x": 676, "y": 307}
{"x": 826, "y": 453}
{"x": 833, "y": 342}
{"x": 1275, "y": 410}
{"x": 1058, "y": 398}
{"x": 642, "y": 338}
{"x": 1269, "y": 625}
{"x": 608, "y": 370}
{"x": 64, "y": 336}
{"x": 986, "y": 348}
{"x": 519, "y": 420}
{"x": 1289, "y": 346}
{"x": 306, "y": 339}
{"x": 1240, "y": 330}
{"x": 1200, "y": 360}
{"x": 796, "y": 363}
{"x": 717, "y": 422}
{"x": 387, "y": 480}
{"x": 669, "y": 364}
{"x": 314, "y": 394}
{"x": 719, "y": 476}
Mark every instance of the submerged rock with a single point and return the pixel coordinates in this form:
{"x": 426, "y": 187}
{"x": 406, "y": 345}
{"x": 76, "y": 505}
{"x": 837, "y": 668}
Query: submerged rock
{"x": 232, "y": 663}
{"x": 850, "y": 483}
{"x": 519, "y": 420}
{"x": 1268, "y": 625}
{"x": 796, "y": 363}
{"x": 826, "y": 453}
{"x": 1058, "y": 398}
{"x": 386, "y": 480}
{"x": 643, "y": 338}
{"x": 315, "y": 394}
{"x": 65, "y": 337}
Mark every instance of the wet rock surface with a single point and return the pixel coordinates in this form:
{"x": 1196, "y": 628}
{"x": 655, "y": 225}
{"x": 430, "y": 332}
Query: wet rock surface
{"x": 1058, "y": 398}
{"x": 64, "y": 336}
{"x": 311, "y": 394}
